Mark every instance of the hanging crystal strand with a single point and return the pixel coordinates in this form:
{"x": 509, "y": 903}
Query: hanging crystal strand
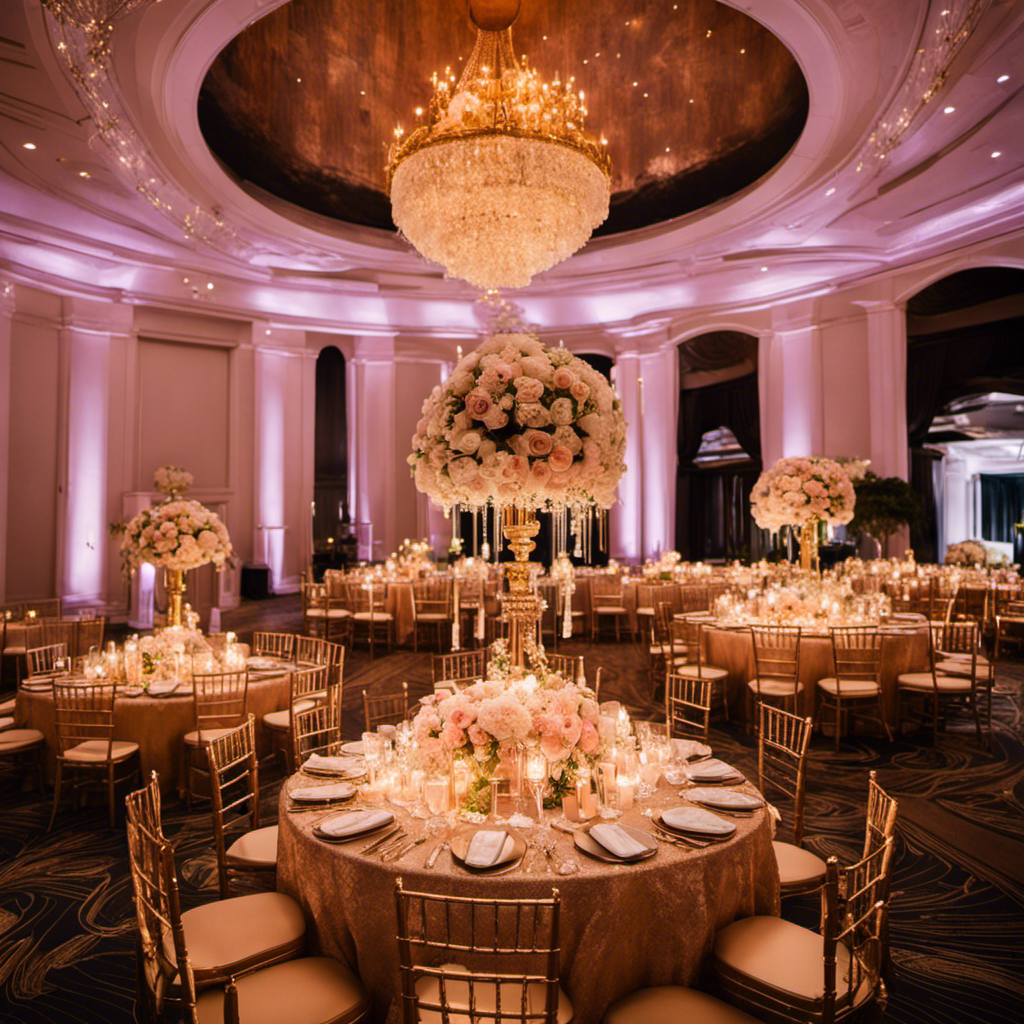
{"x": 476, "y": 531}
{"x": 577, "y": 529}
{"x": 457, "y": 617}
{"x": 497, "y": 532}
{"x": 456, "y": 524}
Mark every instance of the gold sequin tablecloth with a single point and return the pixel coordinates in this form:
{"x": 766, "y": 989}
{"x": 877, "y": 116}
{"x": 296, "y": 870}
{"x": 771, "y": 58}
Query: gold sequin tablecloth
{"x": 623, "y": 926}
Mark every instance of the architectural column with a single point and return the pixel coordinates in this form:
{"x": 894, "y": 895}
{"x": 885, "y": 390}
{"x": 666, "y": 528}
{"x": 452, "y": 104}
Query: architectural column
{"x": 887, "y": 377}
{"x": 627, "y": 519}
{"x": 6, "y": 312}
{"x": 372, "y": 412}
{"x": 659, "y": 415}
{"x": 790, "y": 386}
{"x": 85, "y": 351}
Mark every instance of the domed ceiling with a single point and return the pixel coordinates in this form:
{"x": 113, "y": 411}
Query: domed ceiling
{"x": 696, "y": 99}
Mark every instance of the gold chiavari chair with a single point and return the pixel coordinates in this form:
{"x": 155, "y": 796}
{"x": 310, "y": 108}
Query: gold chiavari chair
{"x": 370, "y": 616}
{"x": 47, "y": 662}
{"x": 688, "y": 705}
{"x": 695, "y": 598}
{"x": 61, "y": 631}
{"x": 781, "y": 768}
{"x": 311, "y": 650}
{"x": 236, "y": 961}
{"x": 84, "y": 724}
{"x": 453, "y": 671}
{"x": 89, "y": 634}
{"x": 27, "y": 745}
{"x": 385, "y": 708}
{"x": 568, "y": 666}
{"x": 307, "y": 687}
{"x": 608, "y": 604}
{"x": 692, "y": 629}
{"x": 432, "y": 607}
{"x": 316, "y": 730}
{"x": 763, "y": 964}
{"x": 235, "y": 790}
{"x": 517, "y": 939}
{"x": 777, "y": 668}
{"x": 668, "y": 650}
{"x": 274, "y": 645}
{"x": 219, "y": 701}
{"x": 933, "y": 690}
{"x": 47, "y": 608}
{"x": 880, "y": 828}
{"x": 856, "y": 688}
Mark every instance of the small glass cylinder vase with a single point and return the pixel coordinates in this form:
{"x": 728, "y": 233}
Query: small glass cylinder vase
{"x": 809, "y": 545}
{"x": 174, "y": 583}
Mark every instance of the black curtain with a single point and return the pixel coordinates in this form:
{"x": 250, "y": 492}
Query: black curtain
{"x": 924, "y": 539}
{"x": 1002, "y": 506}
{"x": 330, "y": 461}
{"x": 713, "y": 518}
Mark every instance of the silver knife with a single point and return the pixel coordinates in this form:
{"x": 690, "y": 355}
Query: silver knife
{"x": 370, "y": 847}
{"x": 403, "y": 850}
{"x": 435, "y": 853}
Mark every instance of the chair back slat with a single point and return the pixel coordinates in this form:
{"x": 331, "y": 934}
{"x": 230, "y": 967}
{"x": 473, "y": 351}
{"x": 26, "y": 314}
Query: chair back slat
{"x": 83, "y": 712}
{"x": 274, "y": 645}
{"x": 568, "y": 666}
{"x": 881, "y": 816}
{"x": 385, "y": 709}
{"x": 90, "y": 634}
{"x": 688, "y": 705}
{"x": 42, "y": 661}
{"x": 317, "y": 730}
{"x": 460, "y": 665}
{"x": 219, "y": 699}
{"x": 777, "y": 653}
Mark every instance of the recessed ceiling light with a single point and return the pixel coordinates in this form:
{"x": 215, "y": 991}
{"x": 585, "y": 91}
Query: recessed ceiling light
{"x": 209, "y": 286}
{"x": 268, "y": 330}
{"x": 949, "y": 110}
{"x": 830, "y": 191}
{"x": 1003, "y": 78}
{"x": 28, "y": 145}
{"x": 84, "y": 174}
{"x": 764, "y": 270}
{"x": 298, "y": 79}
{"x": 996, "y": 153}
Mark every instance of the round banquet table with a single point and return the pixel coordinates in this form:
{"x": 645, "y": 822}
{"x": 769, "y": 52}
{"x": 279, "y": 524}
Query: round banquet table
{"x": 623, "y": 926}
{"x": 157, "y": 724}
{"x": 904, "y": 650}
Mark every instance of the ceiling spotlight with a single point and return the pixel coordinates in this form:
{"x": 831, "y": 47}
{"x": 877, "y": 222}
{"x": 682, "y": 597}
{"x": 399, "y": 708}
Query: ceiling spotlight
{"x": 949, "y": 110}
{"x": 764, "y": 270}
{"x": 86, "y": 174}
{"x": 268, "y": 330}
{"x": 28, "y": 145}
{"x": 1003, "y": 78}
{"x": 209, "y": 286}
{"x": 830, "y": 191}
{"x": 996, "y": 153}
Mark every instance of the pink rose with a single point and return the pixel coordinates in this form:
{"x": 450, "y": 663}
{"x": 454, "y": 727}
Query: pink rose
{"x": 563, "y": 379}
{"x": 478, "y": 403}
{"x": 462, "y": 717}
{"x": 496, "y": 418}
{"x": 477, "y": 736}
{"x": 528, "y": 389}
{"x": 553, "y": 748}
{"x": 538, "y": 442}
{"x": 571, "y": 725}
{"x": 516, "y": 468}
{"x": 540, "y": 471}
{"x": 589, "y": 740}
{"x": 560, "y": 458}
{"x": 452, "y": 736}
{"x": 579, "y": 391}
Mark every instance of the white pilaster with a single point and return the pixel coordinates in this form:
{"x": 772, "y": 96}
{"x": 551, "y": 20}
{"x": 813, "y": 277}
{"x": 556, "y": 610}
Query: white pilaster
{"x": 6, "y": 312}
{"x": 887, "y": 365}
{"x": 659, "y": 412}
{"x": 627, "y": 520}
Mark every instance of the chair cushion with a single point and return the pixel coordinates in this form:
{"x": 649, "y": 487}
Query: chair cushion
{"x": 983, "y": 662}
{"x": 192, "y": 737}
{"x": 776, "y": 687}
{"x": 672, "y": 1004}
{"x": 959, "y": 667}
{"x": 645, "y": 610}
{"x": 13, "y": 740}
{"x": 850, "y": 687}
{"x": 433, "y": 617}
{"x": 235, "y": 935}
{"x": 798, "y": 868}
{"x": 6, "y": 722}
{"x": 704, "y": 672}
{"x": 257, "y": 849}
{"x": 609, "y": 609}
{"x": 375, "y": 616}
{"x": 7, "y": 706}
{"x": 923, "y": 681}
{"x": 776, "y": 954}
{"x": 276, "y": 719}
{"x": 95, "y": 751}
{"x": 428, "y": 988}
{"x": 311, "y": 990}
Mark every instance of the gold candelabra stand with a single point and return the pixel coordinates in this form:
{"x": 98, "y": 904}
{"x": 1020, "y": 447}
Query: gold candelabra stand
{"x": 522, "y": 606}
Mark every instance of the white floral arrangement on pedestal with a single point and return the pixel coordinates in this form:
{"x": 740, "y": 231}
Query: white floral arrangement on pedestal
{"x": 800, "y": 490}
{"x": 520, "y": 423}
{"x": 176, "y": 535}
{"x": 967, "y": 552}
{"x": 172, "y": 480}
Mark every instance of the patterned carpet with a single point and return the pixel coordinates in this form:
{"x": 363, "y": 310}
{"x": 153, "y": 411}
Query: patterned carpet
{"x": 957, "y": 911}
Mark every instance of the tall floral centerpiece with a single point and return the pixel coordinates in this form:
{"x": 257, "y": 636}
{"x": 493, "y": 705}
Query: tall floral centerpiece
{"x": 172, "y": 481}
{"x": 523, "y": 427}
{"x": 176, "y": 536}
{"x": 802, "y": 492}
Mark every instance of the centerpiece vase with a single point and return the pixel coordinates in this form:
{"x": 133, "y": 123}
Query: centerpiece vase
{"x": 174, "y": 583}
{"x": 522, "y": 606}
{"x": 809, "y": 545}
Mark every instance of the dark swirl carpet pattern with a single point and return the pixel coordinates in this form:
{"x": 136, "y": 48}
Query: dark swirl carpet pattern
{"x": 957, "y": 910}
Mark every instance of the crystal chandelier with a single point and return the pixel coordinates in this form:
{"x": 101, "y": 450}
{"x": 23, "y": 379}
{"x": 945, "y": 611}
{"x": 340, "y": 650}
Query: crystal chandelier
{"x": 499, "y": 182}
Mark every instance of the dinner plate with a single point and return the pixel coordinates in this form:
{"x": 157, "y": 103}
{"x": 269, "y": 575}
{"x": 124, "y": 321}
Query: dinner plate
{"x": 590, "y": 846}
{"x": 262, "y": 664}
{"x": 331, "y": 773}
{"x": 353, "y": 749}
{"x": 713, "y": 772}
{"x": 335, "y": 768}
{"x": 323, "y": 794}
{"x": 40, "y": 687}
{"x": 687, "y": 750}
{"x": 162, "y": 688}
{"x": 319, "y": 832}
{"x": 725, "y": 799}
{"x": 460, "y": 847}
{"x": 694, "y": 821}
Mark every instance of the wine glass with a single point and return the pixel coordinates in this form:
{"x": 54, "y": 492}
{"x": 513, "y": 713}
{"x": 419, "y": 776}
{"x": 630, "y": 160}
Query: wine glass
{"x": 536, "y": 776}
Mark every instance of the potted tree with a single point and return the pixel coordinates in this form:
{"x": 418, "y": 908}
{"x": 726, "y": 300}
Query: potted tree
{"x": 884, "y": 504}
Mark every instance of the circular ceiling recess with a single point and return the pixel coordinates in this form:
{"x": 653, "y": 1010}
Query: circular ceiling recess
{"x": 697, "y": 100}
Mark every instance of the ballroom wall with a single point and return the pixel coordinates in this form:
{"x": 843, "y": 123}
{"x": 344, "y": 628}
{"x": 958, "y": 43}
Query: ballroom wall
{"x": 94, "y": 395}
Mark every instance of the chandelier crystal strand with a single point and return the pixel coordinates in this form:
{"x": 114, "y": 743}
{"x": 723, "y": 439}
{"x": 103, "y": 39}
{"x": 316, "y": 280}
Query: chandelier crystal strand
{"x": 502, "y": 182}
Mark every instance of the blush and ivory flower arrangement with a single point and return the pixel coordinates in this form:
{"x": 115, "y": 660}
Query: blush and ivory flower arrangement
{"x": 800, "y": 490}
{"x": 490, "y": 719}
{"x": 172, "y": 480}
{"x": 967, "y": 552}
{"x": 179, "y": 535}
{"x": 519, "y": 423}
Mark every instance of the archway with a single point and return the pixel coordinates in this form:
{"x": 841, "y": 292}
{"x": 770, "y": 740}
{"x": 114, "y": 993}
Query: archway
{"x": 333, "y": 543}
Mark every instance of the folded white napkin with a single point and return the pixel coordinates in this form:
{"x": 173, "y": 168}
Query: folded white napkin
{"x": 685, "y": 749}
{"x": 696, "y": 819}
{"x": 333, "y": 764}
{"x": 313, "y": 794}
{"x": 713, "y": 769}
{"x": 728, "y": 799}
{"x": 488, "y": 847}
{"x": 161, "y": 687}
{"x": 616, "y": 840}
{"x": 353, "y": 824}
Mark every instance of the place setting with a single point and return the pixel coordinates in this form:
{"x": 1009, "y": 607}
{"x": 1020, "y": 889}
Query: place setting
{"x": 329, "y": 766}
{"x": 727, "y": 801}
{"x": 713, "y": 772}
{"x": 692, "y": 825}
{"x": 307, "y": 798}
{"x": 351, "y": 825}
{"x": 488, "y": 851}
{"x": 615, "y": 843}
